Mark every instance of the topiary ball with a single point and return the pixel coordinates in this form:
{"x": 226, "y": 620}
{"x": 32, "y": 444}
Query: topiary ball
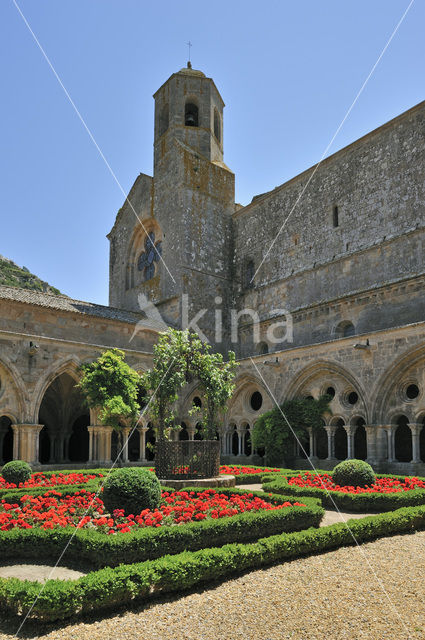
{"x": 16, "y": 471}
{"x": 353, "y": 473}
{"x": 132, "y": 490}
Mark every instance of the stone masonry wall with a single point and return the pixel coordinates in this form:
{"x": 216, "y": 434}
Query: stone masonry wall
{"x": 378, "y": 185}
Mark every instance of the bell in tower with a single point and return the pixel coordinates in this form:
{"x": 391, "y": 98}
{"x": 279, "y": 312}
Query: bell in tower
{"x": 190, "y": 115}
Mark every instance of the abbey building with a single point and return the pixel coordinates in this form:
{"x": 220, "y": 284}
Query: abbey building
{"x": 318, "y": 285}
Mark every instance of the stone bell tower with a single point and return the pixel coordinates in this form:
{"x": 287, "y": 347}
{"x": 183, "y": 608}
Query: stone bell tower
{"x": 189, "y": 108}
{"x": 184, "y": 212}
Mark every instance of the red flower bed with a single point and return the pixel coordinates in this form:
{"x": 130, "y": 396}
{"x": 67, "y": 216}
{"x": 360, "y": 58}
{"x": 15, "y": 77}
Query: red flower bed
{"x": 237, "y": 471}
{"x": 382, "y": 485}
{"x": 228, "y": 470}
{"x": 84, "y": 510}
{"x": 40, "y": 480}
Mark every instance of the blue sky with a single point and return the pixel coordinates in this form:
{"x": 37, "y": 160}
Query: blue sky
{"x": 288, "y": 72}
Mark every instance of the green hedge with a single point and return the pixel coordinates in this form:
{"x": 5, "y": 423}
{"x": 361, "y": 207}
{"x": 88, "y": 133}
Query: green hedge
{"x": 115, "y": 587}
{"x": 355, "y": 502}
{"x": 94, "y": 549}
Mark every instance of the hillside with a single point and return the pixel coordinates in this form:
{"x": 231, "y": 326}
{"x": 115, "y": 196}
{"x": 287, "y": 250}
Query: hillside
{"x": 14, "y": 276}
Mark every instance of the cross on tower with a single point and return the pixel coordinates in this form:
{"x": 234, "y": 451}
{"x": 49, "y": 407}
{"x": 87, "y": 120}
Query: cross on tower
{"x": 189, "y": 44}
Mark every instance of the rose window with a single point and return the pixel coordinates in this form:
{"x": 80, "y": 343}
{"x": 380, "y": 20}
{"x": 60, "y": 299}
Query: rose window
{"x": 151, "y": 254}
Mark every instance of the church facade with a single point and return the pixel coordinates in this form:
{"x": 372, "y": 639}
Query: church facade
{"x": 317, "y": 285}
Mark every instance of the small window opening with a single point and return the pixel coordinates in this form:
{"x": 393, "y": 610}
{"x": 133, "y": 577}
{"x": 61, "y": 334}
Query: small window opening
{"x": 163, "y": 120}
{"x": 256, "y": 401}
{"x": 191, "y": 115}
{"x": 330, "y": 391}
{"x": 335, "y": 216}
{"x": 217, "y": 128}
{"x": 263, "y": 348}
{"x": 345, "y": 329}
{"x": 352, "y": 397}
{"x": 412, "y": 391}
{"x": 249, "y": 274}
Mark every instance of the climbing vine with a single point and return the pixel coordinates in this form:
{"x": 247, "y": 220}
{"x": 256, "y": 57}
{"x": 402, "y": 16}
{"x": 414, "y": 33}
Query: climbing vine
{"x": 274, "y": 430}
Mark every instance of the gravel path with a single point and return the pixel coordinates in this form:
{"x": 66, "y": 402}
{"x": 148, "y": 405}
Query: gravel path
{"x": 40, "y": 572}
{"x": 332, "y": 596}
{"x": 330, "y": 517}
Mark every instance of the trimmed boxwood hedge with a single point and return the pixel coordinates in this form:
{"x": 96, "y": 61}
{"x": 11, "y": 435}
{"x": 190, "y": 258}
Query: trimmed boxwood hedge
{"x": 355, "y": 502}
{"x": 125, "y": 584}
{"x": 131, "y": 490}
{"x": 95, "y": 549}
{"x": 16, "y": 471}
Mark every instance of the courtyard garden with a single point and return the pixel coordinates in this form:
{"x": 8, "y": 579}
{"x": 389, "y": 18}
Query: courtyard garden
{"x": 131, "y": 537}
{"x": 179, "y": 539}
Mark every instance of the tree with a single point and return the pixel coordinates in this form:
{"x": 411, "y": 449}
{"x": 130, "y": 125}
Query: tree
{"x": 216, "y": 385}
{"x": 167, "y": 376}
{"x": 111, "y": 387}
{"x": 179, "y": 358}
{"x": 273, "y": 433}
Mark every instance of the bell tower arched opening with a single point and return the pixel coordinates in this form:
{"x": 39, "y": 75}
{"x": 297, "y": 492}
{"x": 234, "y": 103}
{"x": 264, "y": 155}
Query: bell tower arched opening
{"x": 191, "y": 115}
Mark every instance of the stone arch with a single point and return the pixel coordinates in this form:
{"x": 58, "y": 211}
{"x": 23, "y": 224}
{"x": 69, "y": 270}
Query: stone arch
{"x": 186, "y": 403}
{"x": 6, "y": 439}
{"x": 69, "y": 365}
{"x": 183, "y": 433}
{"x": 340, "y": 439}
{"x": 244, "y": 429}
{"x": 150, "y": 442}
{"x": 241, "y": 402}
{"x": 360, "y": 438}
{"x": 421, "y": 420}
{"x": 198, "y": 432}
{"x": 191, "y": 112}
{"x": 314, "y": 379}
{"x": 344, "y": 329}
{"x": 321, "y": 438}
{"x": 403, "y": 440}
{"x": 387, "y": 397}
{"x": 234, "y": 440}
{"x": 13, "y": 395}
{"x": 65, "y": 418}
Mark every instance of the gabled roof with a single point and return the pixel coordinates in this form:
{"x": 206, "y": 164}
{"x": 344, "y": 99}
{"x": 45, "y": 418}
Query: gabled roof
{"x": 63, "y": 303}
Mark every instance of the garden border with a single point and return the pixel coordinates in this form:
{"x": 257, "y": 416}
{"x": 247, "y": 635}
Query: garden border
{"x": 126, "y": 584}
{"x": 96, "y": 549}
{"x": 354, "y": 502}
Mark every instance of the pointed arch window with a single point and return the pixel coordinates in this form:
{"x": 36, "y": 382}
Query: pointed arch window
{"x": 151, "y": 255}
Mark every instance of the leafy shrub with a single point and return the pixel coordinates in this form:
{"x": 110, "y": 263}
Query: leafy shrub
{"x": 274, "y": 430}
{"x": 131, "y": 489}
{"x": 16, "y": 471}
{"x": 353, "y": 473}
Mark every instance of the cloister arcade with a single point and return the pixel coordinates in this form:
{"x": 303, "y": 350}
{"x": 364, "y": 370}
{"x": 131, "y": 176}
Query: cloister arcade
{"x": 381, "y": 421}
